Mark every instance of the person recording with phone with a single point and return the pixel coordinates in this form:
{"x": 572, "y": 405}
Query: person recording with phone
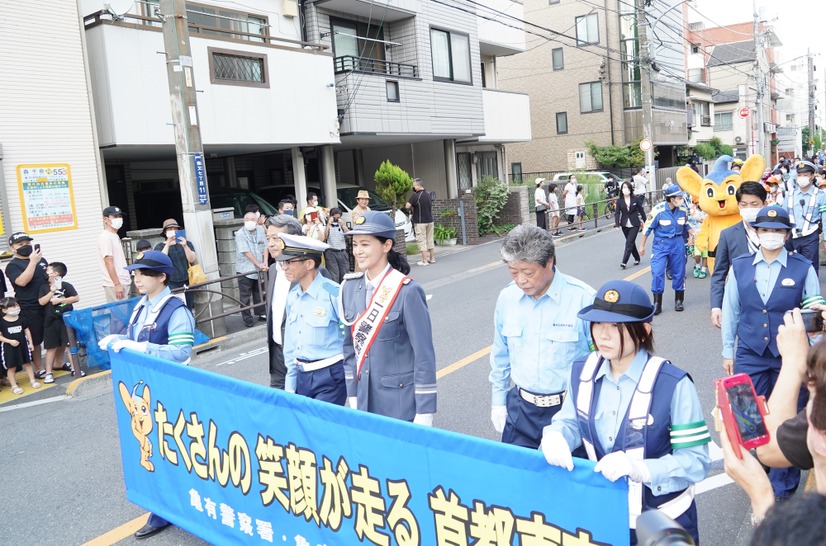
{"x": 335, "y": 257}
{"x": 760, "y": 288}
{"x": 182, "y": 254}
{"x": 637, "y": 415}
{"x": 27, "y": 273}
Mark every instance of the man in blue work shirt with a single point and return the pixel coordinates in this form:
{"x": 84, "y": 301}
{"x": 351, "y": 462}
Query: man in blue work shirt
{"x": 669, "y": 222}
{"x": 537, "y": 337}
{"x": 313, "y": 339}
{"x": 806, "y": 204}
{"x": 759, "y": 290}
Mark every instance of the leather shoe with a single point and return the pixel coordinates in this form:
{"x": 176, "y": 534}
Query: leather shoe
{"x": 148, "y": 530}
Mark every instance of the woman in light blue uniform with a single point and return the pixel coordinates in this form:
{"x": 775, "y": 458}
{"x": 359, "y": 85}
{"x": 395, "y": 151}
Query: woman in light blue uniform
{"x": 638, "y": 416}
{"x": 389, "y": 360}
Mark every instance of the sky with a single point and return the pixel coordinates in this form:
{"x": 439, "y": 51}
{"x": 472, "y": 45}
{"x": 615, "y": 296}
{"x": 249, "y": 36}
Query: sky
{"x": 795, "y": 22}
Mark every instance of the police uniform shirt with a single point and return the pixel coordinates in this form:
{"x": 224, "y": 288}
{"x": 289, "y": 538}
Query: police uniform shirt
{"x": 814, "y": 214}
{"x": 687, "y": 464}
{"x": 312, "y": 331}
{"x": 180, "y": 330}
{"x": 536, "y": 341}
{"x": 667, "y": 223}
{"x": 765, "y": 278}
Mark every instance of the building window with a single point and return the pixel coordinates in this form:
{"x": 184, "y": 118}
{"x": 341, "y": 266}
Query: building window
{"x": 723, "y": 121}
{"x": 392, "y": 91}
{"x": 226, "y": 23}
{"x": 484, "y": 80}
{"x": 558, "y": 58}
{"x": 486, "y": 165}
{"x": 450, "y": 53}
{"x": 587, "y": 29}
{"x": 552, "y": 2}
{"x": 516, "y": 173}
{"x": 238, "y": 68}
{"x": 561, "y": 123}
{"x": 590, "y": 97}
{"x": 695, "y": 48}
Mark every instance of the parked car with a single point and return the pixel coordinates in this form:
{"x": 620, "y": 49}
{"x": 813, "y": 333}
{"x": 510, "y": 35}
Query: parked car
{"x": 346, "y": 194}
{"x": 585, "y": 176}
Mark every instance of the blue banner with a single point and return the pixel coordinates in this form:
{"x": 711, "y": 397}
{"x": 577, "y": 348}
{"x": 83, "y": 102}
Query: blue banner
{"x": 234, "y": 462}
{"x": 200, "y": 177}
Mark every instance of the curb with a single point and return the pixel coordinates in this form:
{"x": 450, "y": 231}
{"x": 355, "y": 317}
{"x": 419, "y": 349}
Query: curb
{"x": 76, "y": 388}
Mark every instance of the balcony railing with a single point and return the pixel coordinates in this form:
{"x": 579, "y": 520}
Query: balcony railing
{"x": 705, "y": 121}
{"x": 350, "y": 63}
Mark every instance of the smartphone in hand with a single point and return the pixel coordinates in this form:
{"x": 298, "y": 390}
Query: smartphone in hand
{"x": 743, "y": 412}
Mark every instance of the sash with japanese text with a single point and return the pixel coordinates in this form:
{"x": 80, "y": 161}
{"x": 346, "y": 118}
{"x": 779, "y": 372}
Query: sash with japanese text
{"x": 235, "y": 462}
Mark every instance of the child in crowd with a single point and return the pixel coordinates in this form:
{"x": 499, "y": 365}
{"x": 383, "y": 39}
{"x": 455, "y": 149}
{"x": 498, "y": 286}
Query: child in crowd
{"x": 695, "y": 220}
{"x": 16, "y": 340}
{"x": 554, "y": 210}
{"x": 57, "y": 297}
{"x": 580, "y": 206}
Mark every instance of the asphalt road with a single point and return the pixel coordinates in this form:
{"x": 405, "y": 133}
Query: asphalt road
{"x": 63, "y": 482}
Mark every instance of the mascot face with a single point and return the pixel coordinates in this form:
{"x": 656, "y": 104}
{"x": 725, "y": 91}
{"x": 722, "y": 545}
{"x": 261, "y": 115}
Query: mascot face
{"x": 716, "y": 192}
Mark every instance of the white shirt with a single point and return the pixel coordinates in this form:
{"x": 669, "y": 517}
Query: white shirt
{"x": 371, "y": 285}
{"x": 554, "y": 202}
{"x": 109, "y": 245}
{"x": 279, "y": 301}
{"x": 539, "y": 197}
{"x": 570, "y": 196}
{"x": 639, "y": 184}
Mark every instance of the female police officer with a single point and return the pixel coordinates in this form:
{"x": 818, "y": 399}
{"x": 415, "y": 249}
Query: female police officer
{"x": 636, "y": 414}
{"x": 389, "y": 360}
{"x": 161, "y": 326}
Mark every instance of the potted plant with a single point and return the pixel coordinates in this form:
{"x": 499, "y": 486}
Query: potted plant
{"x": 444, "y": 235}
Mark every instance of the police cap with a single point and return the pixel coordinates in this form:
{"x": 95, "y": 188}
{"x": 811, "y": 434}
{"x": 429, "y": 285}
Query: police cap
{"x": 374, "y": 223}
{"x": 619, "y": 301}
{"x": 300, "y": 246}
{"x": 154, "y": 260}
{"x": 772, "y": 217}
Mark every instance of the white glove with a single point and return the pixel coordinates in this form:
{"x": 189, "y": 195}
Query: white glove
{"x": 498, "y": 416}
{"x": 106, "y": 341}
{"x": 291, "y": 391}
{"x": 353, "y": 402}
{"x": 425, "y": 419}
{"x": 618, "y": 464}
{"x": 139, "y": 346}
{"x": 556, "y": 450}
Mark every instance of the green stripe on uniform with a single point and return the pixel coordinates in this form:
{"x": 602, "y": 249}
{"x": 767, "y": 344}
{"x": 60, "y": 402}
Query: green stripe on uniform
{"x": 688, "y": 426}
{"x": 182, "y": 338}
{"x": 689, "y": 435}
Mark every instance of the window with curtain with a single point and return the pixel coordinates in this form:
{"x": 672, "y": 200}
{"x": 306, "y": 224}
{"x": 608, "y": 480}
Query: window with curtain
{"x": 590, "y": 97}
{"x": 561, "y": 123}
{"x": 558, "y": 58}
{"x": 450, "y": 52}
{"x": 587, "y": 29}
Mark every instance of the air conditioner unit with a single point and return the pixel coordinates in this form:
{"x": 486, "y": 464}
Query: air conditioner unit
{"x": 738, "y": 140}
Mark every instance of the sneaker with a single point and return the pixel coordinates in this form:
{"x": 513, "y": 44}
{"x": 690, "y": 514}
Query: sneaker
{"x": 66, "y": 367}
{"x": 40, "y": 374}
{"x": 431, "y": 261}
{"x": 557, "y": 233}
{"x": 581, "y": 229}
{"x": 48, "y": 378}
{"x": 422, "y": 263}
{"x": 622, "y": 266}
{"x": 696, "y": 272}
{"x": 702, "y": 274}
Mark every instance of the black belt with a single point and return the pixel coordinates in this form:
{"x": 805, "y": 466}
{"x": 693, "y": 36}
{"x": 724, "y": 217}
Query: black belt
{"x": 338, "y": 249}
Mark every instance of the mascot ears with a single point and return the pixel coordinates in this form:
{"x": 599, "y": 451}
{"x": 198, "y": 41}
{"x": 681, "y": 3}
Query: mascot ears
{"x": 689, "y": 181}
{"x": 753, "y": 169}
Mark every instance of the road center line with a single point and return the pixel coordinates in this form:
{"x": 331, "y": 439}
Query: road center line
{"x": 118, "y": 533}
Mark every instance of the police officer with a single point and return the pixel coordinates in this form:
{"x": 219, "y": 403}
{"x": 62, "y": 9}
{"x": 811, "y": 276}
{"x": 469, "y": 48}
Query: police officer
{"x": 760, "y": 288}
{"x": 312, "y": 336}
{"x": 389, "y": 357}
{"x": 537, "y": 337}
{"x": 161, "y": 325}
{"x": 637, "y": 415}
{"x": 669, "y": 222}
{"x": 806, "y": 204}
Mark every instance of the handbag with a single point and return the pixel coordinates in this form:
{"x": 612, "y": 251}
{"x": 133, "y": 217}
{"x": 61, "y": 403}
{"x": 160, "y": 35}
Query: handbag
{"x": 196, "y": 274}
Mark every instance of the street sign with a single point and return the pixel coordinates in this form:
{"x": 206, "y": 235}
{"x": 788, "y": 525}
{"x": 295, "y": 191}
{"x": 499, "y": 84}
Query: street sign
{"x": 200, "y": 177}
{"x": 645, "y": 145}
{"x": 743, "y": 112}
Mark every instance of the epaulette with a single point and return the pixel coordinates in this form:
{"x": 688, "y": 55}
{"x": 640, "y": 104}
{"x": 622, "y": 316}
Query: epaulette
{"x": 353, "y": 275}
{"x": 331, "y": 288}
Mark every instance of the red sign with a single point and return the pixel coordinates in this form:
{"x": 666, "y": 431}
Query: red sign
{"x": 744, "y": 112}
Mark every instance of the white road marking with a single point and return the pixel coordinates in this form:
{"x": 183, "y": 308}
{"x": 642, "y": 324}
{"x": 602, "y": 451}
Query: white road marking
{"x": 244, "y": 356}
{"x": 35, "y": 403}
{"x": 715, "y": 451}
{"x": 428, "y": 296}
{"x": 713, "y": 482}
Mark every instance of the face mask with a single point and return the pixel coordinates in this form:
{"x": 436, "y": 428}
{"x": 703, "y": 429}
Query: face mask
{"x": 771, "y": 241}
{"x": 749, "y": 214}
{"x": 250, "y": 225}
{"x": 290, "y": 212}
{"x": 25, "y": 251}
{"x": 170, "y": 234}
{"x": 117, "y": 223}
{"x": 13, "y": 312}
{"x": 626, "y": 191}
{"x": 803, "y": 181}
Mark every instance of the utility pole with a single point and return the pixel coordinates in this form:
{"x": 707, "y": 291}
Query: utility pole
{"x": 759, "y": 84}
{"x": 644, "y": 61}
{"x": 812, "y": 124}
{"x": 188, "y": 147}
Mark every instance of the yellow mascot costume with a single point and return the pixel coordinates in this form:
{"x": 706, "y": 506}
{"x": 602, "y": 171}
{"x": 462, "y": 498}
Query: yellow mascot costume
{"x": 715, "y": 194}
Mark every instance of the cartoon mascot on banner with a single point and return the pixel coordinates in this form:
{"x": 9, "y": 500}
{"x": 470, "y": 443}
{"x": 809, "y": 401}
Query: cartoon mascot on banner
{"x": 715, "y": 194}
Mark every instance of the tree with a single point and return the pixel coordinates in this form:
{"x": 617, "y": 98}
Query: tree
{"x": 392, "y": 183}
{"x": 619, "y": 157}
{"x": 713, "y": 149}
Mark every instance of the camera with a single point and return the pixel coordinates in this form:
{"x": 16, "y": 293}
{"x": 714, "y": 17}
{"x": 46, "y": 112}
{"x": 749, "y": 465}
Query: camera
{"x": 656, "y": 529}
{"x": 812, "y": 320}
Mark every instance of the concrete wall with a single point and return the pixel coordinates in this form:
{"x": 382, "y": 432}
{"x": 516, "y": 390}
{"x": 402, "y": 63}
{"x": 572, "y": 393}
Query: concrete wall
{"x": 517, "y": 210}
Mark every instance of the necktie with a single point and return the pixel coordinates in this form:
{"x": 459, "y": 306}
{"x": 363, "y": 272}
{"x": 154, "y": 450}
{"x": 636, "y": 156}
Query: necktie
{"x": 369, "y": 292}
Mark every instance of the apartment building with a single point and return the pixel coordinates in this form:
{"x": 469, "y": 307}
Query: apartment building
{"x": 583, "y": 77}
{"x": 51, "y": 181}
